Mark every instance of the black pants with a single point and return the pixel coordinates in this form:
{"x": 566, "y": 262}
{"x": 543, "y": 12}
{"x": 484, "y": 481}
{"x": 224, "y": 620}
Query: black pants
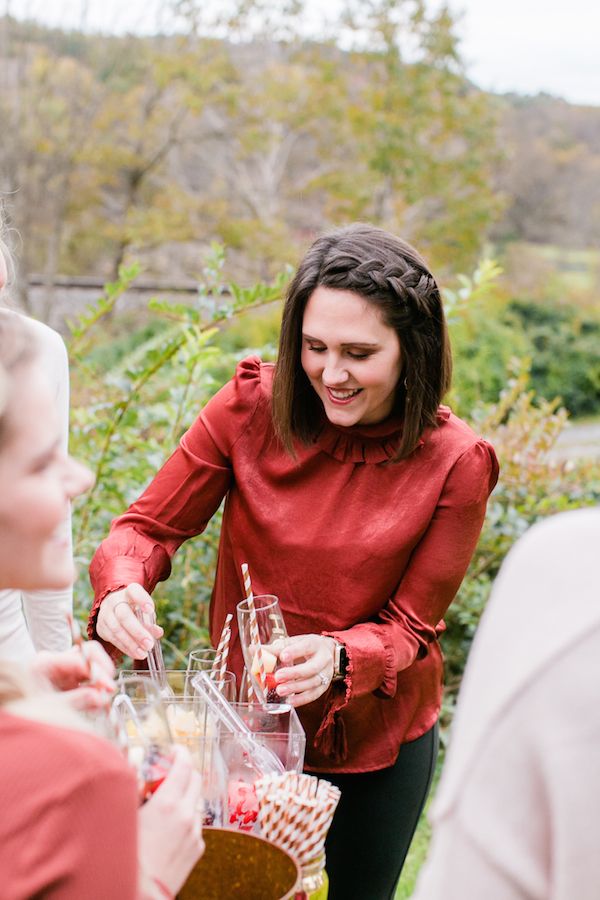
{"x": 375, "y": 821}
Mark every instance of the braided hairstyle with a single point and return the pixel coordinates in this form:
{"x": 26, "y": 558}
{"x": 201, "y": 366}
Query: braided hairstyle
{"x": 387, "y": 272}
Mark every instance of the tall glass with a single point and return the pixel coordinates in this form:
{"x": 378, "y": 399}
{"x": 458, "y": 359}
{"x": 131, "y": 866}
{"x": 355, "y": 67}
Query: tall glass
{"x": 139, "y": 713}
{"x": 192, "y": 726}
{"x": 272, "y": 634}
{"x": 201, "y": 660}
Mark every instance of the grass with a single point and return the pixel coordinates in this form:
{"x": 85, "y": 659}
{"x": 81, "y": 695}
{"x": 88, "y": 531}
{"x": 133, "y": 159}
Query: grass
{"x": 418, "y": 848}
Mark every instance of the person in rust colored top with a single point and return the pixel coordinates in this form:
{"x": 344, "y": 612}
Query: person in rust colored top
{"x": 70, "y": 826}
{"x": 358, "y": 500}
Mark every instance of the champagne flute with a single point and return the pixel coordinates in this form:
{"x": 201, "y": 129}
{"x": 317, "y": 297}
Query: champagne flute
{"x": 203, "y": 661}
{"x": 272, "y": 634}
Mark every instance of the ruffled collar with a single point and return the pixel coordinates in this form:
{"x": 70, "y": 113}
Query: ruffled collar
{"x": 367, "y": 443}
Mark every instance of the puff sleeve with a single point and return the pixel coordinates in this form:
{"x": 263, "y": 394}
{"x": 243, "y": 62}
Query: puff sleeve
{"x": 182, "y": 497}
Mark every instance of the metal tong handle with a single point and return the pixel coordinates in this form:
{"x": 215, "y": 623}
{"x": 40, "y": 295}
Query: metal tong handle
{"x": 122, "y": 708}
{"x": 156, "y": 663}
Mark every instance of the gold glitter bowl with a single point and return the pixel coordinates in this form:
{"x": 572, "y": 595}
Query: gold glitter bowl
{"x": 240, "y": 865}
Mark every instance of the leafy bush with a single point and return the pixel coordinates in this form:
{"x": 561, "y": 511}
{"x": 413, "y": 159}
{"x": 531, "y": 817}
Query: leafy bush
{"x": 128, "y": 416}
{"x": 523, "y": 431}
{"x": 565, "y": 353}
{"x": 484, "y": 339}
{"x": 488, "y": 330}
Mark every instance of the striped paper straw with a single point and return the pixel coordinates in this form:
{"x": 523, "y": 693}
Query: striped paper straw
{"x": 302, "y": 814}
{"x": 224, "y": 655}
{"x": 313, "y": 837}
{"x": 219, "y": 665}
{"x": 254, "y": 634}
{"x": 295, "y": 811}
{"x": 249, "y": 687}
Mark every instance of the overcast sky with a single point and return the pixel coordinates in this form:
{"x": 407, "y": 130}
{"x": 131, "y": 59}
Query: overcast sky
{"x": 524, "y": 46}
{"x": 533, "y": 45}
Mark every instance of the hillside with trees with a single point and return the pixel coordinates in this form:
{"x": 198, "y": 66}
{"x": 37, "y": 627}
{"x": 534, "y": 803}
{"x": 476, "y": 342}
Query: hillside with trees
{"x": 121, "y": 148}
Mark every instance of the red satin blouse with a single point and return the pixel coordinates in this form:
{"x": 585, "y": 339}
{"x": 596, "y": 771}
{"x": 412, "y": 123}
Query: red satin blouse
{"x": 368, "y": 551}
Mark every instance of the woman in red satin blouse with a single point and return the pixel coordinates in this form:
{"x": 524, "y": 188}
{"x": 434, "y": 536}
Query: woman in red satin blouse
{"x": 358, "y": 500}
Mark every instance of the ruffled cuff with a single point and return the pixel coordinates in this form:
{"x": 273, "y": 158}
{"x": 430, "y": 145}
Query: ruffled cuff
{"x": 387, "y": 688}
{"x": 110, "y": 574}
{"x": 112, "y": 651}
{"x": 371, "y": 658}
{"x": 330, "y": 739}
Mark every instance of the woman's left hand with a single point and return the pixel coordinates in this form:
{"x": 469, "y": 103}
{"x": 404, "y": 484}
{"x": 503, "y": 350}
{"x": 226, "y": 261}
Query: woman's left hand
{"x": 305, "y": 681}
{"x": 85, "y": 673}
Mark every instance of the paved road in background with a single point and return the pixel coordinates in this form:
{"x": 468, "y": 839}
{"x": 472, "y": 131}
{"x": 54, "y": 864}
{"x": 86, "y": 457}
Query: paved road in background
{"x": 578, "y": 441}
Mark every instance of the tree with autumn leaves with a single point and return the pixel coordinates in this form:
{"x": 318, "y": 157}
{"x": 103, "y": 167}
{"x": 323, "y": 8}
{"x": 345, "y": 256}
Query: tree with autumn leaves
{"x": 247, "y": 130}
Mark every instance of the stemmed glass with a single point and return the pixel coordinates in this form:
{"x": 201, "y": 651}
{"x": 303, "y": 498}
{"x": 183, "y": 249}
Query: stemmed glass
{"x": 139, "y": 714}
{"x": 271, "y": 636}
{"x": 202, "y": 661}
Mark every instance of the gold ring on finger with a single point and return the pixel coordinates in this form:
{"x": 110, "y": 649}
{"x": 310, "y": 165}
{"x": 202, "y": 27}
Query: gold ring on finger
{"x": 121, "y": 603}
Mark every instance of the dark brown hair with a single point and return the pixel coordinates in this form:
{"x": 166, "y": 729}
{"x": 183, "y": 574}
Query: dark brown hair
{"x": 390, "y": 274}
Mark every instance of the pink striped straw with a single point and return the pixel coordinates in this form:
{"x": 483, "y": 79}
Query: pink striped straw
{"x": 254, "y": 634}
{"x": 295, "y": 811}
{"x": 249, "y": 687}
{"x": 219, "y": 665}
{"x": 224, "y": 655}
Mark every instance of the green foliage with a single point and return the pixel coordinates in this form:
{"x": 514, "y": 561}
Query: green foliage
{"x": 488, "y": 331}
{"x": 117, "y": 147}
{"x": 425, "y": 135}
{"x": 128, "y": 416}
{"x": 484, "y": 339}
{"x": 499, "y": 388}
{"x": 565, "y": 353}
{"x": 523, "y": 430}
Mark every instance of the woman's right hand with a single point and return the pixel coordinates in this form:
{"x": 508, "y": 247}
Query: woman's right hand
{"x": 170, "y": 830}
{"x": 117, "y": 622}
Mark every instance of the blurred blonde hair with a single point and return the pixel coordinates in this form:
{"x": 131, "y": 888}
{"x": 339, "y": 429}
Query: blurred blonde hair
{"x": 18, "y": 348}
{"x": 15, "y": 683}
{"x": 22, "y": 693}
{"x": 5, "y": 254}
{"x": 7, "y": 259}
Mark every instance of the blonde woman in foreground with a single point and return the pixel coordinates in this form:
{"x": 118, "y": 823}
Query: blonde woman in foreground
{"x": 31, "y": 621}
{"x": 70, "y": 826}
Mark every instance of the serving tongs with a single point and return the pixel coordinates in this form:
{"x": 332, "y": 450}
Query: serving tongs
{"x": 263, "y": 759}
{"x": 156, "y": 663}
{"x": 123, "y": 712}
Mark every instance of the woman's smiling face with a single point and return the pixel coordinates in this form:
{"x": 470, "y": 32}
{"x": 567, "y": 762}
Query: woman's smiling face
{"x": 351, "y": 357}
